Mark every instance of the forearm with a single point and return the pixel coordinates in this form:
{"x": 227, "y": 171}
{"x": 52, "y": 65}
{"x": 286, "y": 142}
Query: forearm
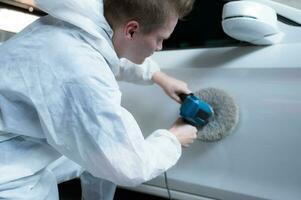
{"x": 139, "y": 74}
{"x": 159, "y": 78}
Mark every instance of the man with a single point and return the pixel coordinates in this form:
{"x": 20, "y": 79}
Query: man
{"x": 60, "y": 103}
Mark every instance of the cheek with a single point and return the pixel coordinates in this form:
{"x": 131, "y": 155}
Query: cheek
{"x": 148, "y": 47}
{"x": 152, "y": 45}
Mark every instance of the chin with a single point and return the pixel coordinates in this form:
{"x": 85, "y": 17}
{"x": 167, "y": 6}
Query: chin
{"x": 140, "y": 62}
{"x": 137, "y": 61}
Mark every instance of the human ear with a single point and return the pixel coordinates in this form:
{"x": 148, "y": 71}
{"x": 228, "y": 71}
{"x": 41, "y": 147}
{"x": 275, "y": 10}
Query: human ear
{"x": 130, "y": 29}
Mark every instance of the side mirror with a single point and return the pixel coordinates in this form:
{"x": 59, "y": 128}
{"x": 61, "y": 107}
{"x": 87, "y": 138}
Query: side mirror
{"x": 251, "y": 22}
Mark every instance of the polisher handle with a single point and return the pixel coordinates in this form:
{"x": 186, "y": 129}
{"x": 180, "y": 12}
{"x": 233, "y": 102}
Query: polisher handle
{"x": 183, "y": 96}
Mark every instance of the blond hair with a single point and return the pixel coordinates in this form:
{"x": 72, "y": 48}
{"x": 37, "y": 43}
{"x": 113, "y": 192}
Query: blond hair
{"x": 150, "y": 14}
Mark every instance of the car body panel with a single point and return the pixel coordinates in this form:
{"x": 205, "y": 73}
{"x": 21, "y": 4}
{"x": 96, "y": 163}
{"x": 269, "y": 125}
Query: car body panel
{"x": 260, "y": 158}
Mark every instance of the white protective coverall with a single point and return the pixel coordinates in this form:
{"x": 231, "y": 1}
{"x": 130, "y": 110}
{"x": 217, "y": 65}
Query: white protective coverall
{"x": 60, "y": 111}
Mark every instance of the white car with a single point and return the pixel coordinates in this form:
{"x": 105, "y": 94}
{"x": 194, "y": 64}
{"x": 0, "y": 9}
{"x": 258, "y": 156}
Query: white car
{"x": 261, "y": 158}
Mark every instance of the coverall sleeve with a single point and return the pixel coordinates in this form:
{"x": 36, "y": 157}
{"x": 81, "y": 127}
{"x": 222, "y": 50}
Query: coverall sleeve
{"x": 139, "y": 74}
{"x": 96, "y": 132}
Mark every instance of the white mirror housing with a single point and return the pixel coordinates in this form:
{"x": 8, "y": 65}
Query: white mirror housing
{"x": 251, "y": 22}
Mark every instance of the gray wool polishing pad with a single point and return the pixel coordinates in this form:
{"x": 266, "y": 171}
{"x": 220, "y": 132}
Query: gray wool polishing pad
{"x": 226, "y": 114}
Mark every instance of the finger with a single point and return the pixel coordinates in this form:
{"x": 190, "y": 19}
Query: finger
{"x": 176, "y": 98}
{"x": 180, "y": 120}
{"x": 188, "y": 90}
{"x": 185, "y": 89}
{"x": 181, "y": 90}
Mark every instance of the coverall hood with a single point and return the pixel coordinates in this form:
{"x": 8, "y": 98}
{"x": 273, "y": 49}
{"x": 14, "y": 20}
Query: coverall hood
{"x": 87, "y": 15}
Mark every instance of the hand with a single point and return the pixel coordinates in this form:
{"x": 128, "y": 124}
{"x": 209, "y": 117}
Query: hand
{"x": 184, "y": 132}
{"x": 171, "y": 86}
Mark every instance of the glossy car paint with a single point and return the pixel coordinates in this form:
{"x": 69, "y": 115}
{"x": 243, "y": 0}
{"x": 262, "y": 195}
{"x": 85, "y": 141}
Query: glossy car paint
{"x": 260, "y": 159}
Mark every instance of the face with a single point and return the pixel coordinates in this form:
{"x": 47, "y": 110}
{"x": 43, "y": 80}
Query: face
{"x": 129, "y": 42}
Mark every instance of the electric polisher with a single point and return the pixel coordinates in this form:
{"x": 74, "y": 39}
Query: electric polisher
{"x": 213, "y": 111}
{"x": 195, "y": 111}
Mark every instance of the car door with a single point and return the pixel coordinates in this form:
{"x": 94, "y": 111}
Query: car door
{"x": 260, "y": 158}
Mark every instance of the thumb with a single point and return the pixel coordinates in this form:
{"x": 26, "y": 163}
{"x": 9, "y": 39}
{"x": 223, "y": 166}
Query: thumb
{"x": 177, "y": 98}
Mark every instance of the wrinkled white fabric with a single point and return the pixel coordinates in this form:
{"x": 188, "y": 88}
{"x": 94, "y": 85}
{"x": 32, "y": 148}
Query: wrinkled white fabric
{"x": 59, "y": 96}
{"x": 95, "y": 188}
{"x": 140, "y": 74}
{"x": 92, "y": 188}
{"x": 40, "y": 186}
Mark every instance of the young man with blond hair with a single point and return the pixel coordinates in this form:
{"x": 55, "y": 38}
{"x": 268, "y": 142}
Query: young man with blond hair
{"x": 61, "y": 115}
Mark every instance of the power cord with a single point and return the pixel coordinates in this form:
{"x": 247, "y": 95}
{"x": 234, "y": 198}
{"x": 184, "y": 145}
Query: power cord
{"x": 167, "y": 186}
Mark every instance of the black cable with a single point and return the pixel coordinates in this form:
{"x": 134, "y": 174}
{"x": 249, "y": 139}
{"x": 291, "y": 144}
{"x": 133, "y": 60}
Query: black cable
{"x": 167, "y": 187}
